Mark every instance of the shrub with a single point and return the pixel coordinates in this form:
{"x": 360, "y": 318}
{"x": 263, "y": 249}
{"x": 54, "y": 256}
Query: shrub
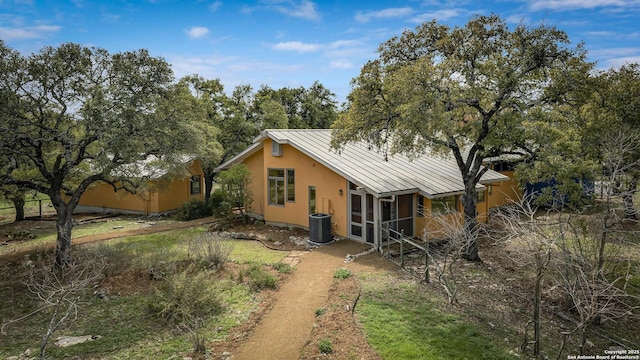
{"x": 325, "y": 346}
{"x": 260, "y": 279}
{"x": 193, "y": 209}
{"x": 210, "y": 251}
{"x": 320, "y": 311}
{"x": 283, "y": 268}
{"x": 118, "y": 257}
{"x": 186, "y": 298}
{"x": 342, "y": 273}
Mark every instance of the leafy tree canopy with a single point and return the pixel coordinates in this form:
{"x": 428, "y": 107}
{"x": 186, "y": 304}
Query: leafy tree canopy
{"x": 465, "y": 91}
{"x": 76, "y": 115}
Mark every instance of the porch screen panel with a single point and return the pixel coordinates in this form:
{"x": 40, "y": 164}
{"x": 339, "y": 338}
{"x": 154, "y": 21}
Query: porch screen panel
{"x": 406, "y": 226}
{"x": 405, "y": 206}
{"x": 405, "y": 214}
{"x": 369, "y": 221}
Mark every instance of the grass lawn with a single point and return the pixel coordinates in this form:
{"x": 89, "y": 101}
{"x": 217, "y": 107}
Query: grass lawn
{"x": 40, "y": 233}
{"x": 122, "y": 318}
{"x": 401, "y": 322}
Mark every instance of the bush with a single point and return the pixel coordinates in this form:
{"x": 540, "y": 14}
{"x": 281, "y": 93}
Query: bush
{"x": 342, "y": 273}
{"x": 260, "y": 279}
{"x": 186, "y": 298}
{"x": 118, "y": 257}
{"x": 210, "y": 251}
{"x": 283, "y": 268}
{"x": 193, "y": 209}
{"x": 220, "y": 206}
{"x": 325, "y": 346}
{"x": 320, "y": 311}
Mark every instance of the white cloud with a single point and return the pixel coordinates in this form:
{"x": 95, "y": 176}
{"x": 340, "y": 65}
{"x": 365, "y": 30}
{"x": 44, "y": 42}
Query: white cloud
{"x": 580, "y": 4}
{"x": 383, "y": 14}
{"x": 341, "y": 64}
{"x": 439, "y": 15}
{"x": 618, "y": 62}
{"x": 32, "y": 32}
{"x": 297, "y": 46}
{"x": 304, "y": 9}
{"x": 614, "y": 52}
{"x": 343, "y": 43}
{"x": 196, "y": 32}
{"x": 215, "y": 6}
{"x": 601, "y": 33}
{"x": 206, "y": 66}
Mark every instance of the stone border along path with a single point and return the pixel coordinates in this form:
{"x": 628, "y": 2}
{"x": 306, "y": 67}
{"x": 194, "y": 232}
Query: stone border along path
{"x": 284, "y": 330}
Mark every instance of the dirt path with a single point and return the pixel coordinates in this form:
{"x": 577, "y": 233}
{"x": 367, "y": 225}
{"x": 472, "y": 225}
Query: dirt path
{"x": 298, "y": 299}
{"x": 15, "y": 255}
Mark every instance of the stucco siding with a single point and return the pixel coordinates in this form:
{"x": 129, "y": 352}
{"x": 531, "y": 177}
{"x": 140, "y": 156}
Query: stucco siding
{"x": 505, "y": 191}
{"x": 101, "y": 196}
{"x": 255, "y": 164}
{"x": 163, "y": 196}
{"x": 308, "y": 172}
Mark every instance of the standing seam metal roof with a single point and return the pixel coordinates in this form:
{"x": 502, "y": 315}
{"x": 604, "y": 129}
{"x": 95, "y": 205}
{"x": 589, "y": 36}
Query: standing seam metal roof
{"x": 431, "y": 175}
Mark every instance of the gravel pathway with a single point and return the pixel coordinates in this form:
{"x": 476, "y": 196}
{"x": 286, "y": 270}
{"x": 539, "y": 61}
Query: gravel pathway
{"x": 283, "y": 332}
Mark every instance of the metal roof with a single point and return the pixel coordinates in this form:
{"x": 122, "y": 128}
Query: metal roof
{"x": 431, "y": 175}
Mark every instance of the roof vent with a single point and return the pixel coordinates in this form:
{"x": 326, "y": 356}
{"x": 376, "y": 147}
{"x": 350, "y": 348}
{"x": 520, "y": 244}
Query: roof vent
{"x": 276, "y": 149}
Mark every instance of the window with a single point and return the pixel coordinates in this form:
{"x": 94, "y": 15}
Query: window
{"x": 421, "y": 206}
{"x": 312, "y": 199}
{"x": 481, "y": 197}
{"x": 291, "y": 185}
{"x": 276, "y": 149}
{"x": 195, "y": 186}
{"x": 502, "y": 166}
{"x": 276, "y": 187}
{"x": 444, "y": 205}
{"x": 281, "y": 186}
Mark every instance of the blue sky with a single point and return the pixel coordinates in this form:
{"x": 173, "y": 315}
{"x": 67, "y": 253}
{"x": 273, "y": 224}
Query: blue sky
{"x": 294, "y": 43}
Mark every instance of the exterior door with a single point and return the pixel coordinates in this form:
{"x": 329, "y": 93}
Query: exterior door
{"x": 356, "y": 216}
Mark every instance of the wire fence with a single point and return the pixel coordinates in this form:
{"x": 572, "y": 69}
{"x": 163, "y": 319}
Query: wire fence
{"x": 32, "y": 208}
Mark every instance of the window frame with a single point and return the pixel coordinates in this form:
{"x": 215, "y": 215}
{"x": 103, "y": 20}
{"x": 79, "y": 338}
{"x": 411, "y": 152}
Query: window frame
{"x": 312, "y": 210}
{"x": 276, "y": 180}
{"x": 446, "y": 208}
{"x": 481, "y": 196}
{"x": 290, "y": 190}
{"x": 420, "y": 207}
{"x": 195, "y": 185}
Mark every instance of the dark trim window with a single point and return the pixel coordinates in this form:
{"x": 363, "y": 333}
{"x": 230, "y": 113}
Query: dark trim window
{"x": 195, "y": 186}
{"x": 291, "y": 185}
{"x": 481, "y": 197}
{"x": 444, "y": 205}
{"x": 312, "y": 200}
{"x": 420, "y": 208}
{"x": 275, "y": 180}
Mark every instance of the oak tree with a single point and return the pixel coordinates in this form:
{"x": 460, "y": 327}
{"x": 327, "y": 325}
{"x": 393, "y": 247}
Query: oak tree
{"x": 78, "y": 115}
{"x": 463, "y": 91}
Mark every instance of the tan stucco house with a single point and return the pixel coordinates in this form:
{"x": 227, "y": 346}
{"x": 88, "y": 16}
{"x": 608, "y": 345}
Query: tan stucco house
{"x": 164, "y": 192}
{"x": 295, "y": 173}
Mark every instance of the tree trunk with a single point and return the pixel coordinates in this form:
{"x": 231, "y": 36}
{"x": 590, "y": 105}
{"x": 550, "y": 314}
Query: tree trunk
{"x": 208, "y": 185}
{"x": 64, "y": 225}
{"x": 627, "y": 197}
{"x": 470, "y": 222}
{"x": 536, "y": 311}
{"x": 18, "y": 204}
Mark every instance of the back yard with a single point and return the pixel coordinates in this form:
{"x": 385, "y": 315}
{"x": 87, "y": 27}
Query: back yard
{"x": 190, "y": 292}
